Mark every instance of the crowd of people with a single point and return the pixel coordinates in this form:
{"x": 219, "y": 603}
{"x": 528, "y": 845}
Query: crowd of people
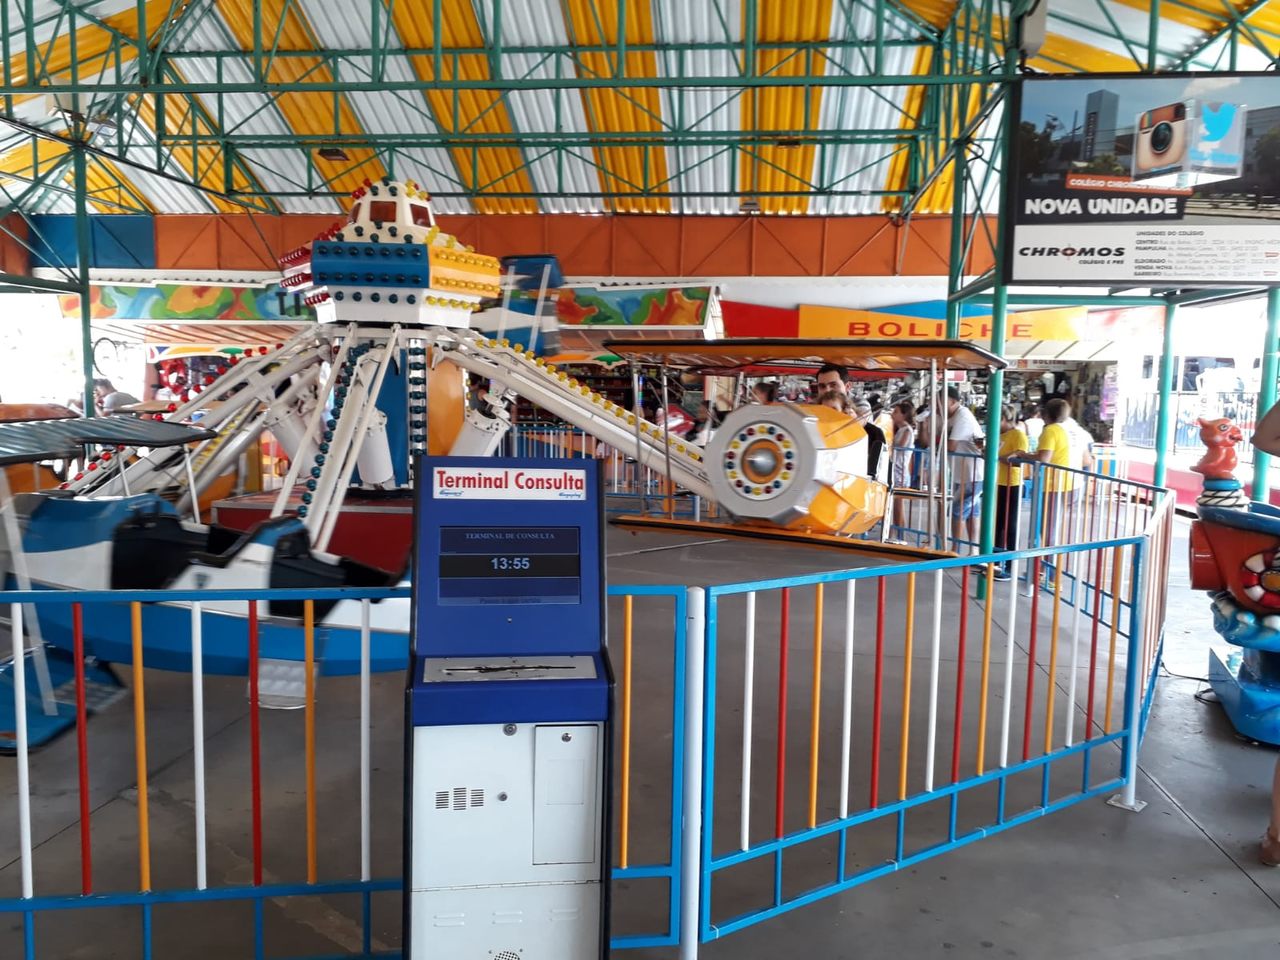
{"x": 900, "y": 435}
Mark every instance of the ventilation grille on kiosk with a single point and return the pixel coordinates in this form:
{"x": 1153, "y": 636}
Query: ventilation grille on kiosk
{"x": 460, "y": 798}
{"x": 506, "y": 955}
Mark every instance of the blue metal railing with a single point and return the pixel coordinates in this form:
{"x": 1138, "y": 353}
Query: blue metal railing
{"x": 659, "y": 865}
{"x": 1133, "y": 695}
{"x": 1116, "y": 583}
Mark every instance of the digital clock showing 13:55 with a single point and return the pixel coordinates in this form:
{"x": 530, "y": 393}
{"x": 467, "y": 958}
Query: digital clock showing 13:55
{"x": 509, "y": 565}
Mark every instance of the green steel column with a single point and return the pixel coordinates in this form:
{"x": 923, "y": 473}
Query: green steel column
{"x": 1153, "y": 36}
{"x": 82, "y": 274}
{"x": 995, "y": 397}
{"x": 999, "y": 317}
{"x": 1166, "y": 395}
{"x": 1267, "y": 392}
{"x": 955, "y": 265}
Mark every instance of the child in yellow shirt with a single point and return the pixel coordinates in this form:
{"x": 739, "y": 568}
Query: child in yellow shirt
{"x": 1013, "y": 448}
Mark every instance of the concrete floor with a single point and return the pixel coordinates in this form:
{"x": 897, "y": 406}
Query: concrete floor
{"x": 1179, "y": 880}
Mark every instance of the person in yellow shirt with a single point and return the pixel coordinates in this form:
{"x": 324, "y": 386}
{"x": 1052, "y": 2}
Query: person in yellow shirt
{"x": 1055, "y": 449}
{"x": 1013, "y": 449}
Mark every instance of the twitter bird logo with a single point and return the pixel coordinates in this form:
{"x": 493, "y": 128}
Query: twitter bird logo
{"x": 1217, "y": 119}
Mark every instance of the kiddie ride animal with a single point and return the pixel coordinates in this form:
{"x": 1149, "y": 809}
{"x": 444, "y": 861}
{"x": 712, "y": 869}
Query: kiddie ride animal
{"x": 1235, "y": 554}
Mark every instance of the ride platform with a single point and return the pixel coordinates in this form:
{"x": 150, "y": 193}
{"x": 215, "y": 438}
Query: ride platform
{"x": 101, "y": 690}
{"x": 772, "y": 534}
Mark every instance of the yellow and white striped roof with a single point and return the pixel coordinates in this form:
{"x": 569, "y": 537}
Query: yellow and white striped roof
{"x": 1084, "y": 35}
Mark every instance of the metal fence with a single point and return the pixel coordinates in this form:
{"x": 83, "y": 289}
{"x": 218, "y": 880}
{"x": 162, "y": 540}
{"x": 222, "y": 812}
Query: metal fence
{"x": 797, "y": 761}
{"x": 1141, "y": 411}
{"x": 137, "y": 899}
{"x": 631, "y": 487}
{"x": 1021, "y": 719}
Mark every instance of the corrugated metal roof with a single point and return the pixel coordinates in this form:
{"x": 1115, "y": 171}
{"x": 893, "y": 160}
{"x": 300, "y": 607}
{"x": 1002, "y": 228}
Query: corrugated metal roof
{"x": 47, "y": 13}
{"x": 1086, "y": 22}
{"x": 701, "y": 177}
{"x": 554, "y": 174}
{"x": 164, "y": 194}
{"x": 51, "y": 31}
{"x": 335, "y": 25}
{"x": 707, "y": 168}
{"x": 494, "y": 171}
{"x": 307, "y": 113}
{"x": 283, "y": 171}
{"x": 626, "y": 170}
{"x": 862, "y": 167}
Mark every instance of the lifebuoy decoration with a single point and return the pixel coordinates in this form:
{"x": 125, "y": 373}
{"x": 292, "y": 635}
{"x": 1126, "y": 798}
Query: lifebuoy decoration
{"x": 1260, "y": 579}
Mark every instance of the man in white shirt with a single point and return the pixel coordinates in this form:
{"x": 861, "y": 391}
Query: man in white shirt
{"x": 1081, "y": 444}
{"x": 1035, "y": 426}
{"x": 964, "y": 437}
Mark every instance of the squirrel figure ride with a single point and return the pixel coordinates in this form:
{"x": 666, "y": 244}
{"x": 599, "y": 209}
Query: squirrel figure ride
{"x": 1219, "y": 460}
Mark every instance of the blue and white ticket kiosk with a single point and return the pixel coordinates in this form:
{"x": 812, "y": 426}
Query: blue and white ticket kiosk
{"x": 508, "y": 710}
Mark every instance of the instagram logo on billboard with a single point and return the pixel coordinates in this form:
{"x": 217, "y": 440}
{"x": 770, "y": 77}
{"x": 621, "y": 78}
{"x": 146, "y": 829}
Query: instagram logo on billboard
{"x": 1160, "y": 141}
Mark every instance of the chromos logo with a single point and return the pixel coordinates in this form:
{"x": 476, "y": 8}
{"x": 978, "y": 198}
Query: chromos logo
{"x": 1083, "y": 252}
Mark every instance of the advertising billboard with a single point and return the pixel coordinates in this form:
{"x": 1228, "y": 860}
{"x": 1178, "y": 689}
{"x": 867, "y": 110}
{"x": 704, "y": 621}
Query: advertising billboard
{"x": 1161, "y": 181}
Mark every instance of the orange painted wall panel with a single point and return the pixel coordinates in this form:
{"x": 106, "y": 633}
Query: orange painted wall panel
{"x": 248, "y": 243}
{"x": 717, "y": 246}
{"x": 187, "y": 242}
{"x": 585, "y": 242}
{"x": 298, "y": 229}
{"x": 647, "y": 246}
{"x": 788, "y": 246}
{"x": 628, "y": 245}
{"x": 925, "y": 252}
{"x": 859, "y": 246}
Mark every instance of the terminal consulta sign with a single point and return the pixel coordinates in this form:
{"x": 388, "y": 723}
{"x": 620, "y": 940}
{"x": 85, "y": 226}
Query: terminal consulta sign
{"x": 1059, "y": 323}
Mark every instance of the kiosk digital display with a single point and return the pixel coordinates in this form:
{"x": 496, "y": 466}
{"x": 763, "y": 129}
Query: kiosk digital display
{"x": 509, "y": 565}
{"x": 505, "y": 550}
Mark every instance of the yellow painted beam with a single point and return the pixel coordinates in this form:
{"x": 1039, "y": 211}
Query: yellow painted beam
{"x": 204, "y": 165}
{"x": 501, "y": 169}
{"x": 92, "y": 44}
{"x": 623, "y": 169}
{"x": 305, "y": 113}
{"x": 775, "y": 167}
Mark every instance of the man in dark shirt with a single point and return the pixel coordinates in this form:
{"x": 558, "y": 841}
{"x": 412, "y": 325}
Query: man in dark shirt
{"x": 875, "y": 437}
{"x": 833, "y": 376}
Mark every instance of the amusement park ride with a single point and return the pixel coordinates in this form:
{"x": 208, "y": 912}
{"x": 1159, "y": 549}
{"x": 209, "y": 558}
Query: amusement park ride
{"x": 377, "y": 382}
{"x": 1235, "y": 555}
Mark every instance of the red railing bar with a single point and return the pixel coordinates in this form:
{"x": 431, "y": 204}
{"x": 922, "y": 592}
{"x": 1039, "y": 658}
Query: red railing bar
{"x": 82, "y": 749}
{"x": 964, "y": 631}
{"x": 780, "y": 786}
{"x": 255, "y": 743}
{"x": 1031, "y": 656}
{"x": 879, "y": 683}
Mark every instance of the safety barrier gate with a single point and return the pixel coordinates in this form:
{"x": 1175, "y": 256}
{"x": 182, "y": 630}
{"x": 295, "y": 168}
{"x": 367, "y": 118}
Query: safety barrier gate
{"x": 1035, "y": 697}
{"x": 791, "y": 737}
